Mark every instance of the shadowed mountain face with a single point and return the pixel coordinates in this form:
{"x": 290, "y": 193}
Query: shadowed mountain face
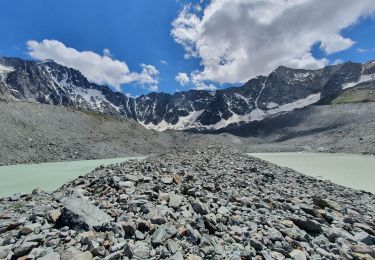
{"x": 283, "y": 90}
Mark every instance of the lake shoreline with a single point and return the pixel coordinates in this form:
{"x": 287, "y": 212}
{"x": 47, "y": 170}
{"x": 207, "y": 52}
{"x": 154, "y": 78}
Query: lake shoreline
{"x": 23, "y": 178}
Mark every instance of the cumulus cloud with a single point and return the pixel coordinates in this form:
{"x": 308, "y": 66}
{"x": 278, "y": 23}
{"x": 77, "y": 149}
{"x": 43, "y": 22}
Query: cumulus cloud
{"x": 182, "y": 78}
{"x": 239, "y": 39}
{"x": 98, "y": 69}
{"x": 200, "y": 83}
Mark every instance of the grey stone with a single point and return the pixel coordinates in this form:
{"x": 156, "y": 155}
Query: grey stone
{"x": 139, "y": 235}
{"x": 298, "y": 255}
{"x": 24, "y": 248}
{"x": 158, "y": 237}
{"x": 166, "y": 180}
{"x": 4, "y": 251}
{"x": 126, "y": 184}
{"x": 141, "y": 250}
{"x": 199, "y": 207}
{"x": 223, "y": 210}
{"x": 177, "y": 256}
{"x": 73, "y": 253}
{"x": 15, "y": 197}
{"x": 50, "y": 256}
{"x": 175, "y": 200}
{"x": 275, "y": 235}
{"x": 326, "y": 203}
{"x": 113, "y": 256}
{"x": 172, "y": 246}
{"x": 310, "y": 226}
{"x": 80, "y": 214}
{"x": 365, "y": 238}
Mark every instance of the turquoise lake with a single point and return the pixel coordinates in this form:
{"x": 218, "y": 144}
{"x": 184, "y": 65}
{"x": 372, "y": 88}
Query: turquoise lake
{"x": 350, "y": 170}
{"x": 24, "y": 178}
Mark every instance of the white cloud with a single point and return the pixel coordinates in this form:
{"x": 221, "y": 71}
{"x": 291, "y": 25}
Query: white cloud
{"x": 182, "y": 78}
{"x": 239, "y": 39}
{"x": 200, "y": 83}
{"x": 153, "y": 88}
{"x": 164, "y": 62}
{"x": 107, "y": 52}
{"x": 98, "y": 69}
{"x": 337, "y": 61}
{"x": 129, "y": 95}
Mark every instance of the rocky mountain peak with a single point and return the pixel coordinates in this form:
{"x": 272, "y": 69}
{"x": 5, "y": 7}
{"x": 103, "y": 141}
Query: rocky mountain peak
{"x": 283, "y": 90}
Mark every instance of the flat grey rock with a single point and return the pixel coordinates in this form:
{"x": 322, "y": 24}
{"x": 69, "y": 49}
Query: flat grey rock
{"x": 80, "y": 214}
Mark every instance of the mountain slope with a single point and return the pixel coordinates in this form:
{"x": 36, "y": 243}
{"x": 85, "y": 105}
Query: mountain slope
{"x": 282, "y": 90}
{"x": 32, "y": 132}
{"x": 333, "y": 128}
{"x": 364, "y": 92}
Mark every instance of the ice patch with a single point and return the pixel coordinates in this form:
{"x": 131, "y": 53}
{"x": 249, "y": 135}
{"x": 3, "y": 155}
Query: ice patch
{"x": 363, "y": 78}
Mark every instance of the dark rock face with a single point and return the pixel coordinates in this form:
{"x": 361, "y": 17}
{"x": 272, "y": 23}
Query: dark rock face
{"x": 283, "y": 90}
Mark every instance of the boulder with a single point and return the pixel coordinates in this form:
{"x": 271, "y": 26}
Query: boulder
{"x": 309, "y": 225}
{"x": 24, "y": 248}
{"x": 50, "y": 256}
{"x": 326, "y": 203}
{"x": 199, "y": 207}
{"x": 175, "y": 200}
{"x": 80, "y": 214}
{"x": 298, "y": 255}
{"x": 159, "y": 236}
{"x": 53, "y": 215}
{"x": 73, "y": 253}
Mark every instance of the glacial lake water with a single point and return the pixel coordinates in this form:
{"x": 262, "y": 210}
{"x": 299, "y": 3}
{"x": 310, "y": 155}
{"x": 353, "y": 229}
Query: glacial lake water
{"x": 24, "y": 178}
{"x": 350, "y": 170}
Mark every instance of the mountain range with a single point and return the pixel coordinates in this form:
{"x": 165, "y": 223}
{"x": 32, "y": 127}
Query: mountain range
{"x": 283, "y": 90}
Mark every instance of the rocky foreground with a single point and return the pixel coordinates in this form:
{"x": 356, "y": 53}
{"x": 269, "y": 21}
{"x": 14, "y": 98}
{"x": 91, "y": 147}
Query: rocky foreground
{"x": 203, "y": 203}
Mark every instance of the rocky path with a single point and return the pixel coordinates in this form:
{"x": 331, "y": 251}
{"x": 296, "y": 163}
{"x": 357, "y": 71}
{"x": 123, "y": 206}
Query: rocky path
{"x": 200, "y": 203}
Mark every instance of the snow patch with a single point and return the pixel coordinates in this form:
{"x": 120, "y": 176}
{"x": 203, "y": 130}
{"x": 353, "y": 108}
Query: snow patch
{"x": 94, "y": 97}
{"x": 301, "y": 76}
{"x": 239, "y": 96}
{"x": 189, "y": 121}
{"x": 272, "y": 105}
{"x": 184, "y": 122}
{"x": 259, "y": 114}
{"x": 362, "y": 78}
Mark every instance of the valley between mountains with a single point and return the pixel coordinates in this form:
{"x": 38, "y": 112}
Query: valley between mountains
{"x": 51, "y": 113}
{"x": 197, "y": 195}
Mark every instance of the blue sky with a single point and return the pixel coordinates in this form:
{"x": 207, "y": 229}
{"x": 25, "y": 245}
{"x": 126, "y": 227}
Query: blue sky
{"x": 139, "y": 32}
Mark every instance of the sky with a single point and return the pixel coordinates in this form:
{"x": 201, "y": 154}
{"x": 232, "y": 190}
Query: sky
{"x": 140, "y": 46}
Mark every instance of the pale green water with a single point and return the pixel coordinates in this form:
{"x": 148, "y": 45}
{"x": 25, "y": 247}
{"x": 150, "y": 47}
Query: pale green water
{"x": 47, "y": 176}
{"x": 350, "y": 170}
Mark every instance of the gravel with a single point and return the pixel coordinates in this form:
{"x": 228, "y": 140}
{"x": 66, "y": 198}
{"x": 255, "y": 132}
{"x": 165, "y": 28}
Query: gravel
{"x": 220, "y": 204}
